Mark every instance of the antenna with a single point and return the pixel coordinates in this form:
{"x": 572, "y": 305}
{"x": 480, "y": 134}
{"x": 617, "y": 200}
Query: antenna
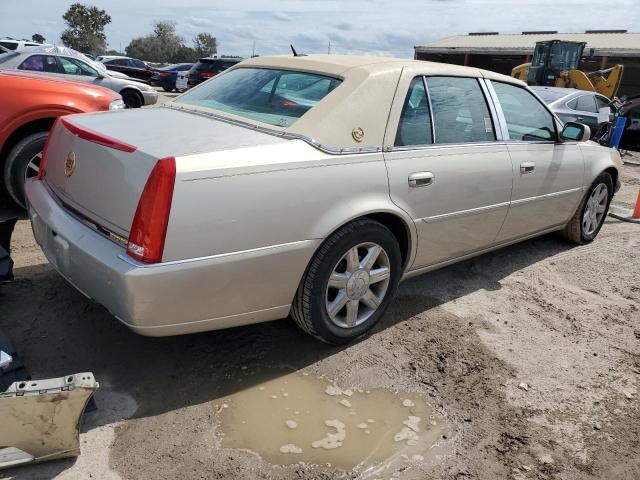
{"x": 296, "y": 54}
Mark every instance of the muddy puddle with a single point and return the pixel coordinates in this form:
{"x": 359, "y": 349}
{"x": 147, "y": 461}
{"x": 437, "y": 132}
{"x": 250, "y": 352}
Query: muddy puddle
{"x": 296, "y": 417}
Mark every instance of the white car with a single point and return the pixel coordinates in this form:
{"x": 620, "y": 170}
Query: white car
{"x": 181, "y": 81}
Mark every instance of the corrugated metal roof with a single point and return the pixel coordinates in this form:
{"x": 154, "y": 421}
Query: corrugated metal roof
{"x": 610, "y": 44}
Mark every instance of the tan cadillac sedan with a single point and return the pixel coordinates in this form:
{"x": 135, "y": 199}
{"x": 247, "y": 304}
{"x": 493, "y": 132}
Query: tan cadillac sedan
{"x": 307, "y": 186}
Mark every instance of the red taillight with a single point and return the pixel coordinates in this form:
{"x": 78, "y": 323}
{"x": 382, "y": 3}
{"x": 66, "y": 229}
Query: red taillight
{"x": 149, "y": 227}
{"x": 96, "y": 137}
{"x": 207, "y": 74}
{"x": 43, "y": 160}
{"x": 165, "y": 74}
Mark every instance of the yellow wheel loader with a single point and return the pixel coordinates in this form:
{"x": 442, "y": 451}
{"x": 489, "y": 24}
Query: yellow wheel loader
{"x": 555, "y": 64}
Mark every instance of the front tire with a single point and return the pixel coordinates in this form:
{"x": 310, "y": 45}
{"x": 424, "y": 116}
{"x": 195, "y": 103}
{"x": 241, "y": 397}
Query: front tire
{"x": 349, "y": 283}
{"x": 132, "y": 99}
{"x": 22, "y": 163}
{"x": 592, "y": 212}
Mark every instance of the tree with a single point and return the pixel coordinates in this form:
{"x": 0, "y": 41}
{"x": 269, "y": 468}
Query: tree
{"x": 205, "y": 45}
{"x": 36, "y": 37}
{"x": 163, "y": 45}
{"x": 85, "y": 29}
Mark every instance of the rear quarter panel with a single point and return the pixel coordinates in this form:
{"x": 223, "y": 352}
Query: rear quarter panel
{"x": 270, "y": 195}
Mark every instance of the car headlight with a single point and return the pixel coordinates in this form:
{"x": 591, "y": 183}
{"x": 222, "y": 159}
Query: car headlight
{"x": 117, "y": 105}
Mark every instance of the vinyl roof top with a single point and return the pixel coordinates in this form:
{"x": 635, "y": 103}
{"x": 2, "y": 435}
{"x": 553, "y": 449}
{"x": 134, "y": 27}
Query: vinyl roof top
{"x": 610, "y": 44}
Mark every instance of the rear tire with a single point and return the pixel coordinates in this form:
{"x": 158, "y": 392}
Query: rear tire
{"x": 364, "y": 287}
{"x": 592, "y": 212}
{"x": 132, "y": 99}
{"x": 23, "y": 162}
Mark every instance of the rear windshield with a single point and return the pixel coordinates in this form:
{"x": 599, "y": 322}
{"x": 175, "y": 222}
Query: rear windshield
{"x": 276, "y": 97}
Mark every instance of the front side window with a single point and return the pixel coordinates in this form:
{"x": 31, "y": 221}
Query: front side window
{"x": 602, "y": 102}
{"x": 71, "y": 66}
{"x": 139, "y": 64}
{"x": 276, "y": 97}
{"x": 460, "y": 111}
{"x": 527, "y": 119}
{"x": 414, "y": 127}
{"x": 40, "y": 63}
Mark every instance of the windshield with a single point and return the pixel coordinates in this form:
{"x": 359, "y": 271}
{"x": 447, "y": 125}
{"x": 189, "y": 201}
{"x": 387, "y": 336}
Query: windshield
{"x": 7, "y": 55}
{"x": 276, "y": 97}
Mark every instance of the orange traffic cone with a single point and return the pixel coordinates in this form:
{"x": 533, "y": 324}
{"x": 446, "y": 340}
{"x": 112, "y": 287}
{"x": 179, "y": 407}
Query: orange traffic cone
{"x": 626, "y": 214}
{"x": 636, "y": 211}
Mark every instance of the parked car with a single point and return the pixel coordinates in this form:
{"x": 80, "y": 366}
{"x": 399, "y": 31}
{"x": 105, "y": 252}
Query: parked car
{"x": 30, "y": 105}
{"x": 182, "y": 81}
{"x": 309, "y": 186}
{"x": 166, "y": 77}
{"x": 12, "y": 44}
{"x": 572, "y": 105}
{"x": 130, "y": 66}
{"x": 207, "y": 68}
{"x": 66, "y": 63}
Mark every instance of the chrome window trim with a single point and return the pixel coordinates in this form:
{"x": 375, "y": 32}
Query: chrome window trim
{"x": 136, "y": 263}
{"x": 502, "y": 120}
{"x": 441, "y": 146}
{"x": 433, "y": 125}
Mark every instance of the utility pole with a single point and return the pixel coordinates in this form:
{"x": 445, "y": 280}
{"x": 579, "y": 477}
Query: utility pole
{"x": 253, "y": 51}
{"x": 329, "y": 48}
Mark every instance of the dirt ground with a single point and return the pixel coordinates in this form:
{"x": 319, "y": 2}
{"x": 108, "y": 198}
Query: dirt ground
{"x": 531, "y": 353}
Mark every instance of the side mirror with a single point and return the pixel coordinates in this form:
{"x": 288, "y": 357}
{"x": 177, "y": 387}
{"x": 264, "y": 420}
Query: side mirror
{"x": 575, "y": 132}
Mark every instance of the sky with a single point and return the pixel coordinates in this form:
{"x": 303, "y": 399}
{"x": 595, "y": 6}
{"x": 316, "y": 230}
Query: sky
{"x": 379, "y": 27}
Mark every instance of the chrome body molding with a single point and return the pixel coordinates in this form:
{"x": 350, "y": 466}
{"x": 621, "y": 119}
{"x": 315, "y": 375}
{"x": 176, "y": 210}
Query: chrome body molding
{"x": 546, "y": 196}
{"x": 462, "y": 213}
{"x": 472, "y": 211}
{"x": 137, "y": 264}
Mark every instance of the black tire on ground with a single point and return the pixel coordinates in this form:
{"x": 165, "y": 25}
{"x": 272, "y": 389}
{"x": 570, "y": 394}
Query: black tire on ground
{"x": 574, "y": 231}
{"x": 168, "y": 90}
{"x": 309, "y": 308}
{"x": 15, "y": 168}
{"x": 132, "y": 99}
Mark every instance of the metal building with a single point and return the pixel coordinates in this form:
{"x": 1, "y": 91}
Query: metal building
{"x": 501, "y": 52}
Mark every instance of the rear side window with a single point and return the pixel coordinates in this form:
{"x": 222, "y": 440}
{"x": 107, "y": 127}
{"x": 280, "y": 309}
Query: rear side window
{"x": 602, "y": 102}
{"x": 414, "y": 127}
{"x": 9, "y": 45}
{"x": 527, "y": 119}
{"x": 276, "y": 97}
{"x": 460, "y": 111}
{"x": 586, "y": 103}
{"x": 138, "y": 63}
{"x": 40, "y": 63}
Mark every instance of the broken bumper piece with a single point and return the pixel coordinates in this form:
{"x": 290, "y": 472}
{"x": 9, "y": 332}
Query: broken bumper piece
{"x": 40, "y": 419}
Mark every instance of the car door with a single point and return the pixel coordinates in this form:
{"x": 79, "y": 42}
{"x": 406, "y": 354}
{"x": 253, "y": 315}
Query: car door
{"x": 79, "y": 71}
{"x": 547, "y": 174}
{"x": 446, "y": 168}
{"x": 139, "y": 69}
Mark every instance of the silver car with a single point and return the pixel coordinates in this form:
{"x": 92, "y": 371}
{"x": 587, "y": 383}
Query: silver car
{"x": 571, "y": 105}
{"x": 307, "y": 186}
{"x": 67, "y": 63}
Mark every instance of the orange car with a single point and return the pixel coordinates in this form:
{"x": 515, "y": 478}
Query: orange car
{"x": 28, "y": 107}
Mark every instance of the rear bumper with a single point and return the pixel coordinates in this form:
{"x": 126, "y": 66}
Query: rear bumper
{"x": 169, "y": 298}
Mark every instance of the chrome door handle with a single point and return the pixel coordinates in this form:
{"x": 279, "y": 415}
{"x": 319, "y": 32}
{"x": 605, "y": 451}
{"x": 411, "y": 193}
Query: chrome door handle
{"x": 527, "y": 167}
{"x": 421, "y": 179}
{"x": 580, "y": 119}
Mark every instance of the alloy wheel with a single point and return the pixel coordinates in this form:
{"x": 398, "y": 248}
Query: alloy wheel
{"x": 357, "y": 285}
{"x": 595, "y": 209}
{"x": 33, "y": 167}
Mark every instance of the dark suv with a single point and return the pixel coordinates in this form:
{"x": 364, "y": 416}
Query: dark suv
{"x": 206, "y": 68}
{"x": 130, "y": 66}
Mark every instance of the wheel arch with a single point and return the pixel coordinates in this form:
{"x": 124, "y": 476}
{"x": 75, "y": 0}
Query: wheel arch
{"x": 134, "y": 90}
{"x": 400, "y": 225}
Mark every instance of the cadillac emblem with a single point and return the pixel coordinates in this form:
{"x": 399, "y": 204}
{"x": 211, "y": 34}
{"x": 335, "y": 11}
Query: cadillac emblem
{"x": 69, "y": 164}
{"x": 357, "y": 134}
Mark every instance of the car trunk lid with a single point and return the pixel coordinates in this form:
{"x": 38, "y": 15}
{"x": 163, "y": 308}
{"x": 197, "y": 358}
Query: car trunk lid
{"x": 98, "y": 164}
